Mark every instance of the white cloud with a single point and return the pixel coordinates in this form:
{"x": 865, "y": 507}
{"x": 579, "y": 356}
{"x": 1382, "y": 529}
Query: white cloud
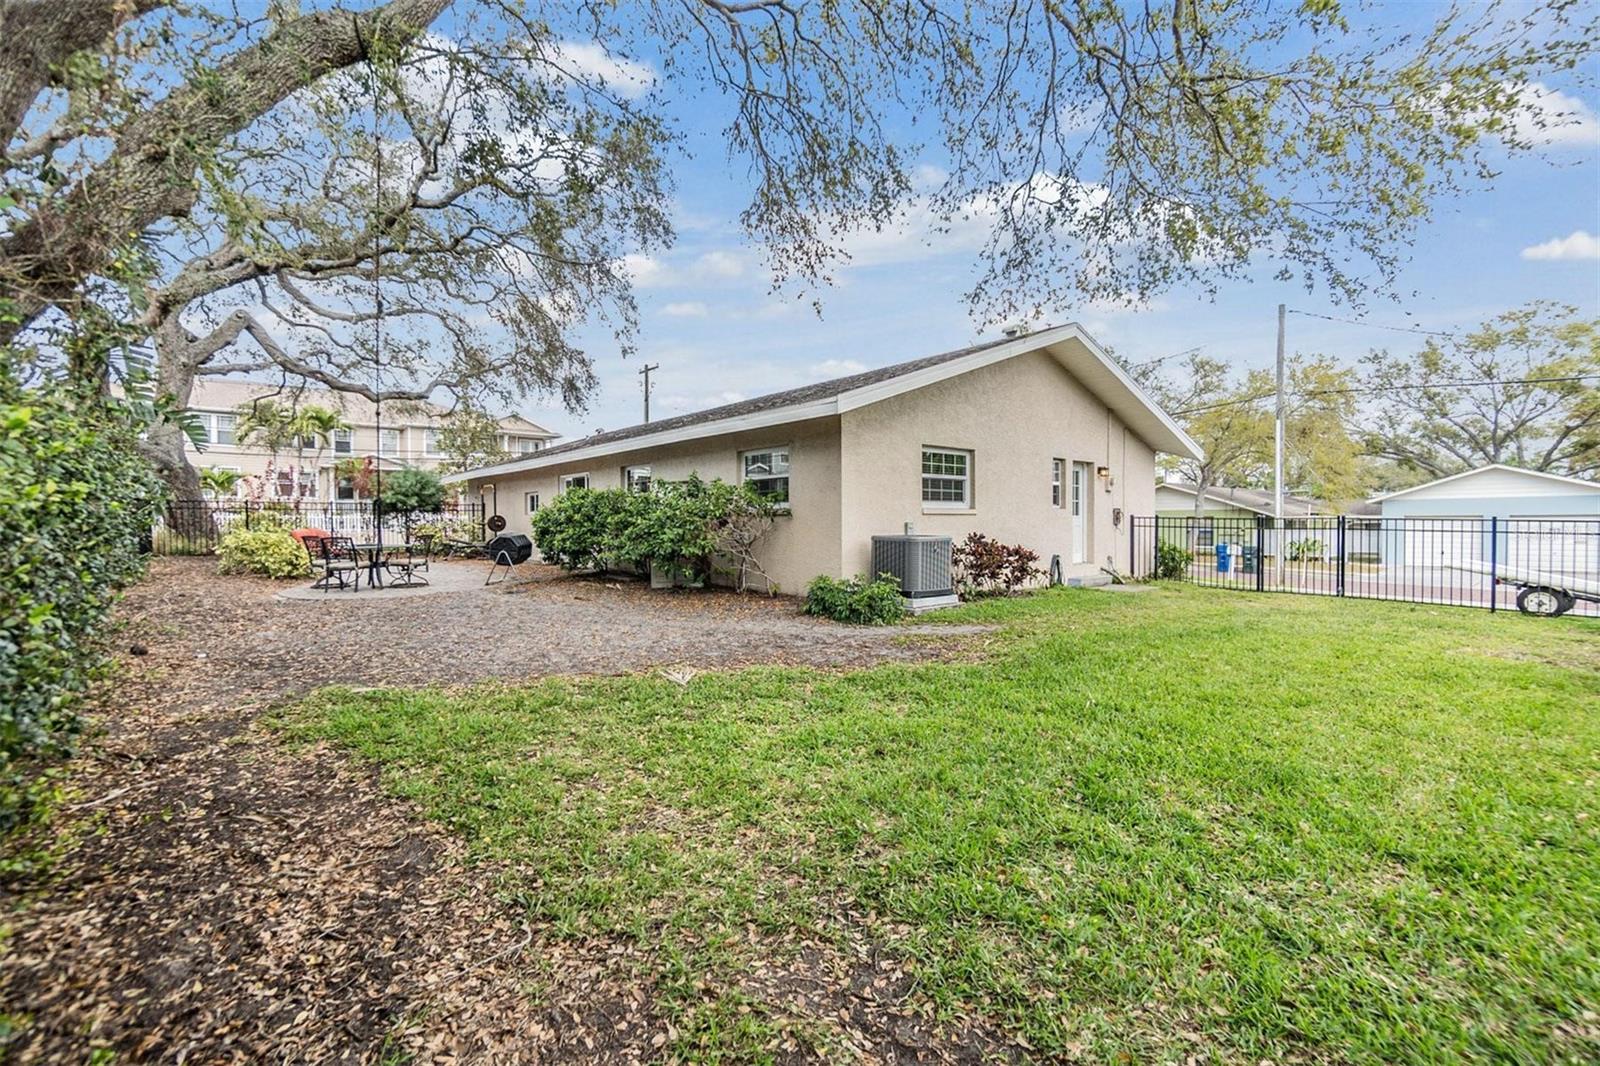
{"x": 1550, "y": 117}
{"x": 835, "y": 368}
{"x": 627, "y": 78}
{"x": 686, "y": 309}
{"x": 1579, "y": 244}
{"x": 644, "y": 270}
{"x": 719, "y": 265}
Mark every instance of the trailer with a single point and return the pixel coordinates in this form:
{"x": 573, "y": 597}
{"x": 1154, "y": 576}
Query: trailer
{"x": 1540, "y": 592}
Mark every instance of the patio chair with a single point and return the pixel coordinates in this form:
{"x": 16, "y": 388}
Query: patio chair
{"x": 409, "y": 564}
{"x": 341, "y": 563}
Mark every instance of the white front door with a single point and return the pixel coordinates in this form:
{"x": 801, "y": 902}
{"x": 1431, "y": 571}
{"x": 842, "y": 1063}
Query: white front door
{"x": 1080, "y": 504}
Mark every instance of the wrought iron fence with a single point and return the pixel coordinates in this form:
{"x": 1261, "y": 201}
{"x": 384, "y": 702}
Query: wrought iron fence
{"x": 196, "y": 527}
{"x": 1545, "y": 565}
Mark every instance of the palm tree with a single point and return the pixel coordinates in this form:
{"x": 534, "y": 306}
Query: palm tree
{"x": 317, "y": 424}
{"x": 218, "y": 482}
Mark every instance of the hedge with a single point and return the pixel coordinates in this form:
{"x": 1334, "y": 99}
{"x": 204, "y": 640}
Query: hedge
{"x": 76, "y": 502}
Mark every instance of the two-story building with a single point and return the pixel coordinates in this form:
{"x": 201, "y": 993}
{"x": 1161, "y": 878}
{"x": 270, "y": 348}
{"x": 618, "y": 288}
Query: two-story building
{"x": 401, "y": 434}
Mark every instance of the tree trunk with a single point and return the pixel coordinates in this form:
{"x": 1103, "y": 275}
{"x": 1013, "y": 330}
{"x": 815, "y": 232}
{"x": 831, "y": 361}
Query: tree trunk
{"x": 165, "y": 443}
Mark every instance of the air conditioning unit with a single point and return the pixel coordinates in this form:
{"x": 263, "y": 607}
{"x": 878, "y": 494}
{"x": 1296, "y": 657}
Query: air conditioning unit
{"x": 922, "y": 566}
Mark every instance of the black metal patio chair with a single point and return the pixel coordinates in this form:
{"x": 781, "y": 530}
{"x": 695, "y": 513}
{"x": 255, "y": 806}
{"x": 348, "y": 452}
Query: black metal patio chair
{"x": 409, "y": 564}
{"x": 340, "y": 562}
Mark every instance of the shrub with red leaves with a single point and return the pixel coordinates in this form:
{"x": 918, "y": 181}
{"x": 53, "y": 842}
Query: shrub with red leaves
{"x": 985, "y": 567}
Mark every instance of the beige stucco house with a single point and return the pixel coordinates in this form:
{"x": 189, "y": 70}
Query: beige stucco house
{"x": 406, "y": 435}
{"x": 1038, "y": 439}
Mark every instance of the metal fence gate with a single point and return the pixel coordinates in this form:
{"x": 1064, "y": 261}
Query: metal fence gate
{"x": 1465, "y": 562}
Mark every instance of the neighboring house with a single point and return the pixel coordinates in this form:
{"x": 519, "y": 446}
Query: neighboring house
{"x": 409, "y": 436}
{"x": 1229, "y": 515}
{"x": 1039, "y": 439}
{"x": 1544, "y": 520}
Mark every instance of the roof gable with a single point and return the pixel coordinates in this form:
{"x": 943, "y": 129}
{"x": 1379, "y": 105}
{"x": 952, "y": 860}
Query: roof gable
{"x": 1496, "y": 479}
{"x": 1069, "y": 344}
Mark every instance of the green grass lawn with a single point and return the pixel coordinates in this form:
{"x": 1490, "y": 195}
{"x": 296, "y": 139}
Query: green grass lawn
{"x": 1178, "y": 822}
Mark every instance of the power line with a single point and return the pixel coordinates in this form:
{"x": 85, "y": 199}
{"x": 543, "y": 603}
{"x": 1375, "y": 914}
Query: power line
{"x": 1390, "y": 388}
{"x": 1374, "y": 325}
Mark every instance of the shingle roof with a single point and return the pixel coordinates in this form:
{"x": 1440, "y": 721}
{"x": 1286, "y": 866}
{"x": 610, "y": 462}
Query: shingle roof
{"x": 226, "y": 394}
{"x": 821, "y": 390}
{"x": 1260, "y": 500}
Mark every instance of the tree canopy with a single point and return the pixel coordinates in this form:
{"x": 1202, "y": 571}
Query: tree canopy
{"x": 249, "y": 190}
{"x": 1522, "y": 389}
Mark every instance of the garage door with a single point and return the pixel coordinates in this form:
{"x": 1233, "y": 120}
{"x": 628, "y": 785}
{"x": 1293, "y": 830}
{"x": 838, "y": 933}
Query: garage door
{"x": 1444, "y": 541}
{"x": 1554, "y": 543}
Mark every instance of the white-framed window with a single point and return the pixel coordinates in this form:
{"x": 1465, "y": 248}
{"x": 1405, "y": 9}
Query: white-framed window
{"x": 1058, "y": 477}
{"x": 285, "y": 485}
{"x": 345, "y": 489}
{"x": 947, "y": 478}
{"x": 636, "y": 478}
{"x": 224, "y": 431}
{"x": 530, "y": 502}
{"x": 389, "y": 442}
{"x": 767, "y": 471}
{"x": 308, "y": 483}
{"x": 343, "y": 442}
{"x": 430, "y": 442}
{"x": 574, "y": 481}
{"x": 524, "y": 445}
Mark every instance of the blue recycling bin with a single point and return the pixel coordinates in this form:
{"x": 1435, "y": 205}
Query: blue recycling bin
{"x": 1222, "y": 559}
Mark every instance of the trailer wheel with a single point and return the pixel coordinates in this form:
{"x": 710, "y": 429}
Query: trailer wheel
{"x": 1544, "y": 602}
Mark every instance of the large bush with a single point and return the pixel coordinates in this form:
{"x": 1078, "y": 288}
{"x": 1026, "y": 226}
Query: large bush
{"x": 76, "y": 501}
{"x": 270, "y": 552}
{"x": 681, "y": 527}
{"x": 411, "y": 491}
{"x": 574, "y": 530}
{"x": 856, "y": 601}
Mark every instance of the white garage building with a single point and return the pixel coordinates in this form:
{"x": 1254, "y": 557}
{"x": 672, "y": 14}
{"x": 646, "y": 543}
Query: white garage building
{"x": 1545, "y": 521}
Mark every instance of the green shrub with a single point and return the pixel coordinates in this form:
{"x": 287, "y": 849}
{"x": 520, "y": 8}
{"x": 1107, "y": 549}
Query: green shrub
{"x": 680, "y": 526}
{"x": 1302, "y": 550}
{"x": 856, "y": 601}
{"x": 411, "y": 491}
{"x": 76, "y": 501}
{"x": 270, "y": 552}
{"x": 1172, "y": 562}
{"x": 573, "y": 530}
{"x": 450, "y": 535}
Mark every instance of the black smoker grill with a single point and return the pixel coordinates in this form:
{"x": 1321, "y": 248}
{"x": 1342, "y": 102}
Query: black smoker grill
{"x": 507, "y": 550}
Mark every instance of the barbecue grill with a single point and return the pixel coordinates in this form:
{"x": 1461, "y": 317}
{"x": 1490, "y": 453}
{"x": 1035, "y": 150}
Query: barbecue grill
{"x": 507, "y": 550}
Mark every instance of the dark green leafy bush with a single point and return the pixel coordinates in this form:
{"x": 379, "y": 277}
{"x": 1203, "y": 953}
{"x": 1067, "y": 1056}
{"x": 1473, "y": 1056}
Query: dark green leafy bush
{"x": 857, "y": 601}
{"x": 76, "y": 501}
{"x": 1172, "y": 562}
{"x": 681, "y": 527}
{"x": 411, "y": 492}
{"x": 270, "y": 552}
{"x": 573, "y": 530}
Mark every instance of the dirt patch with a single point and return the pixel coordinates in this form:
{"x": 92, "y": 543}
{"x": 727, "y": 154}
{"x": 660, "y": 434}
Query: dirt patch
{"x": 229, "y": 900}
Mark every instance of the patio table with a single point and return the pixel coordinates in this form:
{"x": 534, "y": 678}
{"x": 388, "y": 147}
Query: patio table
{"x": 374, "y": 553}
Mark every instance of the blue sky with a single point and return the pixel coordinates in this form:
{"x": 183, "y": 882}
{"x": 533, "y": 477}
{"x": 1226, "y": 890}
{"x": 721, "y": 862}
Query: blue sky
{"x": 708, "y": 318}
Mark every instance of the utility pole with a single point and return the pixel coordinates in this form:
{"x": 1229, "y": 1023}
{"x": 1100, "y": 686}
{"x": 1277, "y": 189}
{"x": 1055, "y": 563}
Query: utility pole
{"x": 646, "y": 372}
{"x": 1277, "y": 461}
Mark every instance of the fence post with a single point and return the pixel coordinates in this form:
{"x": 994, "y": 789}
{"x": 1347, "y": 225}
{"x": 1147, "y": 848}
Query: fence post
{"x": 1341, "y": 556}
{"x": 1494, "y": 559}
{"x": 1261, "y": 556}
{"x": 1133, "y": 525}
{"x": 247, "y": 514}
